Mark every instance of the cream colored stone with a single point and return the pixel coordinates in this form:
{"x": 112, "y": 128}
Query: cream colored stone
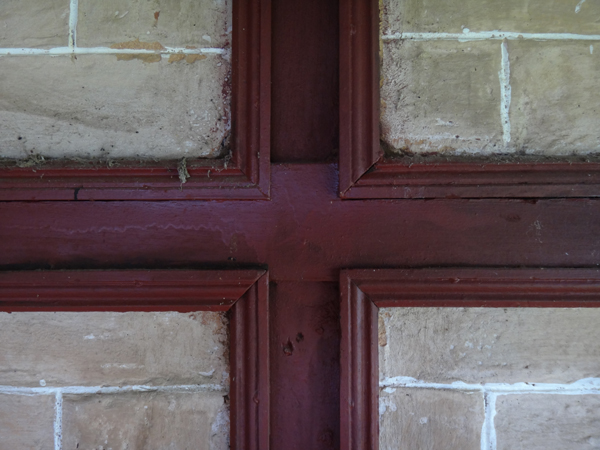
{"x": 146, "y": 421}
{"x": 441, "y": 97}
{"x": 34, "y": 23}
{"x": 97, "y": 107}
{"x": 549, "y": 422}
{"x": 532, "y": 16}
{"x": 483, "y": 345}
{"x": 27, "y": 422}
{"x": 113, "y": 349}
{"x": 422, "y": 419}
{"x": 173, "y": 23}
{"x": 555, "y": 107}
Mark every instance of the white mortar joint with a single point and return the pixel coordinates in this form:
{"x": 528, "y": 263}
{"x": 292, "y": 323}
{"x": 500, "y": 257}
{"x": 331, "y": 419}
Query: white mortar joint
{"x": 467, "y": 36}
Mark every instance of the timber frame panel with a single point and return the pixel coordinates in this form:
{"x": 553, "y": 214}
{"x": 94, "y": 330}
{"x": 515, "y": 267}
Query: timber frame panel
{"x": 366, "y": 173}
{"x": 245, "y": 176}
{"x": 242, "y": 292}
{"x": 363, "y": 292}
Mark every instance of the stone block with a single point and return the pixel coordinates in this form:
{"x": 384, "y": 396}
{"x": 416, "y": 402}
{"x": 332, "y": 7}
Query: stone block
{"x": 555, "y": 107}
{"x": 101, "y": 107}
{"x": 485, "y": 345}
{"x": 551, "y": 422}
{"x": 430, "y": 419}
{"x": 34, "y": 23}
{"x": 146, "y": 421}
{"x": 451, "y": 16}
{"x": 441, "y": 97}
{"x": 113, "y": 349}
{"x": 27, "y": 422}
{"x": 173, "y": 23}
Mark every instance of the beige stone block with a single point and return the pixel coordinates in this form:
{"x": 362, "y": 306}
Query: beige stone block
{"x": 555, "y": 107}
{"x": 451, "y": 16}
{"x": 34, "y": 23}
{"x": 146, "y": 421}
{"x": 441, "y": 97}
{"x": 99, "y": 107}
{"x": 173, "y": 23}
{"x": 484, "y": 345}
{"x": 422, "y": 419}
{"x": 27, "y": 422}
{"x": 549, "y": 422}
{"x": 113, "y": 349}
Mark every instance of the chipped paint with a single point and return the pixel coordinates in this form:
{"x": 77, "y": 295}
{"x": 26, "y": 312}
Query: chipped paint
{"x": 579, "y": 5}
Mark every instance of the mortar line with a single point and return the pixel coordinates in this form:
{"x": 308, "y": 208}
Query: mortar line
{"x": 58, "y": 421}
{"x": 73, "y": 13}
{"x": 62, "y": 51}
{"x": 586, "y": 386}
{"x": 86, "y": 390}
{"x": 505, "y": 92}
{"x": 467, "y": 36}
{"x": 488, "y": 430}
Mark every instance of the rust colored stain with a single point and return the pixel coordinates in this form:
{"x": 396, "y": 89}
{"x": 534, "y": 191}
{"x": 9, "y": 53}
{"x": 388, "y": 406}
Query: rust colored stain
{"x": 156, "y": 14}
{"x": 138, "y": 45}
{"x": 190, "y": 59}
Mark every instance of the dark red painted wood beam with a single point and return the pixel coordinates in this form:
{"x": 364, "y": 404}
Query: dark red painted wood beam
{"x": 305, "y": 232}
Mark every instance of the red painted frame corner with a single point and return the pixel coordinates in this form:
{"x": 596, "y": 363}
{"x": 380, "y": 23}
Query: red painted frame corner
{"x": 364, "y": 171}
{"x": 244, "y": 293}
{"x": 363, "y": 292}
{"x": 245, "y": 177}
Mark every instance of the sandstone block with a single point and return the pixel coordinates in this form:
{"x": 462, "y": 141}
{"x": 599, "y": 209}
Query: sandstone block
{"x": 430, "y": 419}
{"x": 146, "y": 421}
{"x": 555, "y": 97}
{"x": 34, "y": 23}
{"x": 441, "y": 97}
{"x": 173, "y": 23}
{"x": 484, "y": 345}
{"x": 451, "y": 16}
{"x": 113, "y": 349}
{"x": 551, "y": 422}
{"x": 27, "y": 422}
{"x": 101, "y": 107}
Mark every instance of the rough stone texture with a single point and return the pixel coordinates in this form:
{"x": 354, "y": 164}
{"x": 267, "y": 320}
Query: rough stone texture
{"x": 113, "y": 349}
{"x": 174, "y": 23}
{"x": 549, "y": 422}
{"x": 441, "y": 97}
{"x": 555, "y": 105}
{"x": 422, "y": 419}
{"x": 34, "y": 23}
{"x": 482, "y": 345}
{"x": 27, "y": 422}
{"x": 532, "y": 16}
{"x": 145, "y": 421}
{"x": 98, "y": 107}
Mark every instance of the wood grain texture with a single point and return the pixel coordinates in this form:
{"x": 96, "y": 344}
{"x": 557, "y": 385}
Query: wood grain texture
{"x": 364, "y": 291}
{"x": 245, "y": 176}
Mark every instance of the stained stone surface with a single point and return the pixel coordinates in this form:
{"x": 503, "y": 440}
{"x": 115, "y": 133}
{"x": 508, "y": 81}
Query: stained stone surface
{"x": 451, "y": 16}
{"x": 113, "y": 349}
{"x": 173, "y": 23}
{"x": 146, "y": 421}
{"x": 551, "y": 422}
{"x": 27, "y": 422}
{"x": 485, "y": 345}
{"x": 417, "y": 419}
{"x": 97, "y": 106}
{"x": 441, "y": 97}
{"x": 34, "y": 23}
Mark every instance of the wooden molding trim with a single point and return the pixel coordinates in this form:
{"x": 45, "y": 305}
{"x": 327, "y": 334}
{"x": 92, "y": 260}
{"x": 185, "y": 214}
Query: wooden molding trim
{"x": 243, "y": 292}
{"x": 363, "y": 292}
{"x": 246, "y": 176}
{"x": 366, "y": 173}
